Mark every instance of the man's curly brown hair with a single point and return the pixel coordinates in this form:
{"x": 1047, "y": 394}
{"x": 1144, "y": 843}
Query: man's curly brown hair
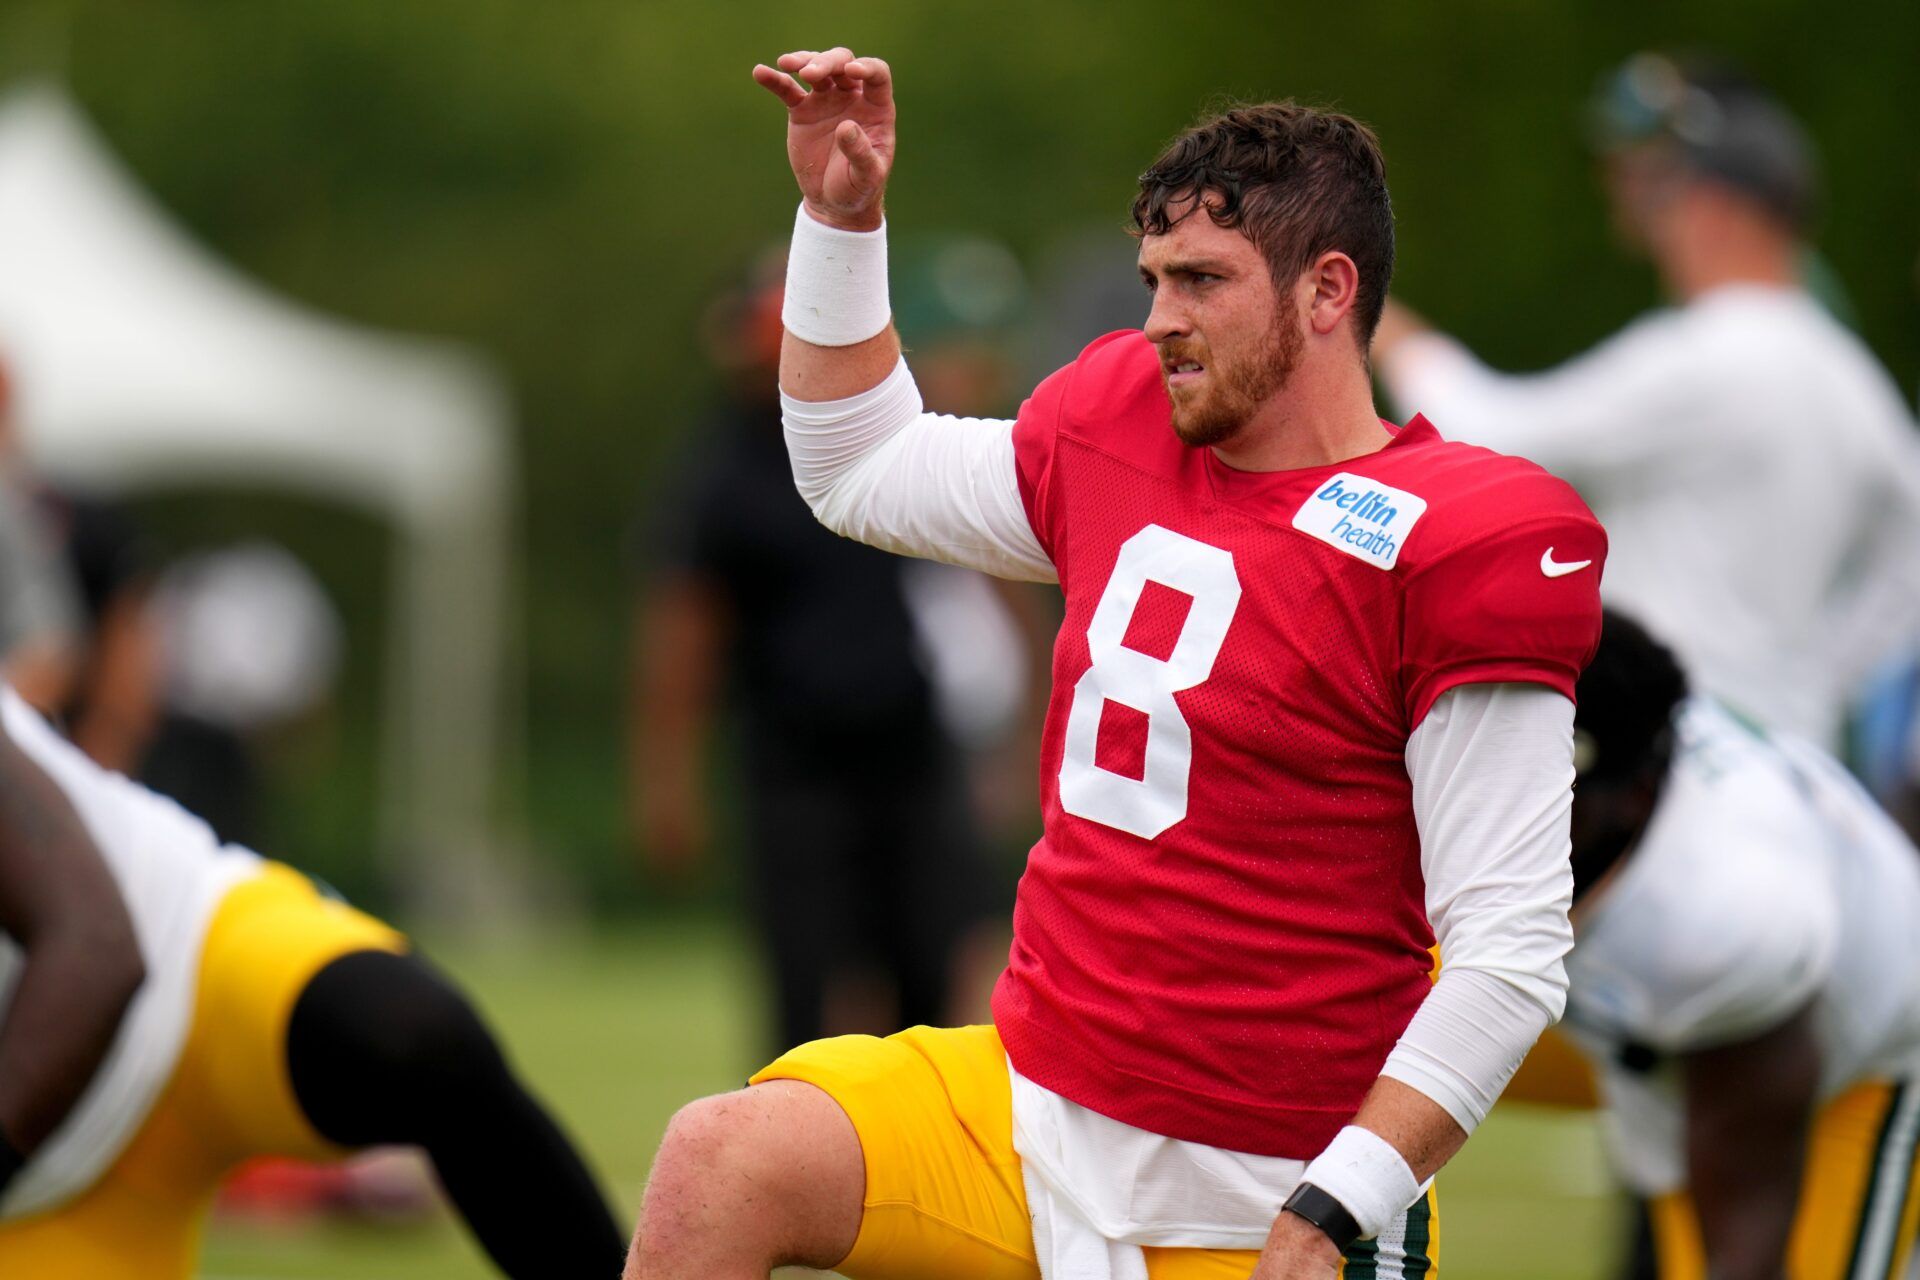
{"x": 1294, "y": 180}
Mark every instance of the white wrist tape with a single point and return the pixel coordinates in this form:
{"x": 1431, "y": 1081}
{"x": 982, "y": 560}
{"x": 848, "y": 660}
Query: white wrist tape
{"x": 836, "y": 283}
{"x": 1361, "y": 1170}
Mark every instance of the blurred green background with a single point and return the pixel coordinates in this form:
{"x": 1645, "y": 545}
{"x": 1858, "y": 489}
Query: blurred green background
{"x": 564, "y": 184}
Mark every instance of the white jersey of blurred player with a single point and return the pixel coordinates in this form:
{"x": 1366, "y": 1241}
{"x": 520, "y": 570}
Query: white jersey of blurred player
{"x": 1766, "y": 881}
{"x": 1757, "y": 474}
{"x": 172, "y": 872}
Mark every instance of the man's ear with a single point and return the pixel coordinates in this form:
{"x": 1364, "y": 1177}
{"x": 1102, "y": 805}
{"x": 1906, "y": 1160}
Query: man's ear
{"x": 1335, "y": 284}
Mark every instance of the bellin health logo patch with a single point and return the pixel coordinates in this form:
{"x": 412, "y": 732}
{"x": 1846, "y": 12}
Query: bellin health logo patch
{"x": 1364, "y": 518}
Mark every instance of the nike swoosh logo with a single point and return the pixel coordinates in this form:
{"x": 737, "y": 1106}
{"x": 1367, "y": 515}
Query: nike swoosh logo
{"x": 1555, "y": 569}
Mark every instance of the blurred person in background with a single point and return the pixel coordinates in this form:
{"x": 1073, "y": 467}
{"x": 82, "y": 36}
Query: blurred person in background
{"x": 80, "y": 639}
{"x": 1745, "y": 980}
{"x": 986, "y": 641}
{"x": 863, "y": 860}
{"x": 249, "y": 646}
{"x": 170, "y": 1006}
{"x": 112, "y": 707}
{"x": 39, "y": 599}
{"x": 1755, "y": 468}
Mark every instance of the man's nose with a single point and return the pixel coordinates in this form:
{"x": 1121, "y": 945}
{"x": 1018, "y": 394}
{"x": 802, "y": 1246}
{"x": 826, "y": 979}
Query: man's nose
{"x": 1166, "y": 319}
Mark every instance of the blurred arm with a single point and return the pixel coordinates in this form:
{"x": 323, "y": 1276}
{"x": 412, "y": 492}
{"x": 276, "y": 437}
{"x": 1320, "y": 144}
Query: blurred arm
{"x": 1612, "y": 410}
{"x": 82, "y": 964}
{"x": 41, "y": 671}
{"x": 39, "y": 602}
{"x": 1874, "y": 612}
{"x": 875, "y": 468}
{"x": 681, "y": 630}
{"x": 121, "y": 706}
{"x": 1749, "y": 1105}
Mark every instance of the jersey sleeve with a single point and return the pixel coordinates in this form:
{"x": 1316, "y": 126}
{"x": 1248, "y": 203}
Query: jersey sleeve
{"x": 1036, "y": 432}
{"x": 1519, "y": 604}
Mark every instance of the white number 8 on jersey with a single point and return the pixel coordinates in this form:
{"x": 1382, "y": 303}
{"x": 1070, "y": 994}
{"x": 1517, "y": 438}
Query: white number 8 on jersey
{"x": 1147, "y": 805}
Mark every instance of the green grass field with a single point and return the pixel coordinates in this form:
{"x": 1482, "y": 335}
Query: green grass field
{"x": 615, "y": 1034}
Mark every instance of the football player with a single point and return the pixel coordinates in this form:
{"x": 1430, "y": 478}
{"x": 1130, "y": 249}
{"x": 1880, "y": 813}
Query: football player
{"x": 1313, "y": 689}
{"x": 170, "y": 1006}
{"x": 1746, "y": 982}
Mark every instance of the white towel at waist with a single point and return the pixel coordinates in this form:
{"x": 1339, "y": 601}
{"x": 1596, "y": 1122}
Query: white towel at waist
{"x": 1099, "y": 1190}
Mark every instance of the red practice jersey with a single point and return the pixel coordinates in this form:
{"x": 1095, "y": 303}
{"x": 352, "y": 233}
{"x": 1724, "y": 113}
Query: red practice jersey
{"x": 1222, "y": 932}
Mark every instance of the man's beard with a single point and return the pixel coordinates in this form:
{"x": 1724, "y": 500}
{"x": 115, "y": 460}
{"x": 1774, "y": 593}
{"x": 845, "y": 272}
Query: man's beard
{"x": 1234, "y": 393}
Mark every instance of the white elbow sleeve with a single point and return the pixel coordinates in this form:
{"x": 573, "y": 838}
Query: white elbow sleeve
{"x": 875, "y": 468}
{"x": 1465, "y": 1042}
{"x": 827, "y": 440}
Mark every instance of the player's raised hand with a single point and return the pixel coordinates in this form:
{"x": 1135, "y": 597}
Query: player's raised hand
{"x": 839, "y": 131}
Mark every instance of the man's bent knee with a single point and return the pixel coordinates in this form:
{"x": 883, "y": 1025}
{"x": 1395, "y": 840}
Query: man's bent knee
{"x": 770, "y": 1176}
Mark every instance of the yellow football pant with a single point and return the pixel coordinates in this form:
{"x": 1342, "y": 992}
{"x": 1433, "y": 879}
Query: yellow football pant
{"x": 1554, "y": 1074}
{"x": 229, "y": 1098}
{"x": 944, "y": 1196}
{"x": 1857, "y": 1195}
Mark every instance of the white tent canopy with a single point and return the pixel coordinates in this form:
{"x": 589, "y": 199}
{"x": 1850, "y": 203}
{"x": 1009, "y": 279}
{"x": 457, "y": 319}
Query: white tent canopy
{"x": 143, "y": 363}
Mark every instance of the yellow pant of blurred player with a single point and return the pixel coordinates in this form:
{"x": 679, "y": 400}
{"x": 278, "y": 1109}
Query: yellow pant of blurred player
{"x": 230, "y": 1097}
{"x": 1862, "y": 1174}
{"x": 1858, "y": 1193}
{"x": 944, "y": 1197}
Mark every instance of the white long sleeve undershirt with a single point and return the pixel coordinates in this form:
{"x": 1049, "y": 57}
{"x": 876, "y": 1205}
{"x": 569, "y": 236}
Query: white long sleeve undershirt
{"x": 1492, "y": 771}
{"x": 876, "y": 469}
{"x": 1491, "y": 765}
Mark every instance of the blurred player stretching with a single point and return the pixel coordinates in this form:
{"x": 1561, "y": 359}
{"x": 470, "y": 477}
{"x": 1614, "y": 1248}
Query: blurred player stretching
{"x": 1746, "y": 983}
{"x": 1313, "y": 690}
{"x": 171, "y": 1006}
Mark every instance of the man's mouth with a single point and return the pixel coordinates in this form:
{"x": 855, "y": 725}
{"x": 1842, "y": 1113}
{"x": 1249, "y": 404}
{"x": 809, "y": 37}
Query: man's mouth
{"x": 1181, "y": 372}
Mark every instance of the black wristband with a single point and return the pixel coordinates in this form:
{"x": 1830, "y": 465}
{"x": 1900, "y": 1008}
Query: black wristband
{"x": 1324, "y": 1212}
{"x": 11, "y": 1161}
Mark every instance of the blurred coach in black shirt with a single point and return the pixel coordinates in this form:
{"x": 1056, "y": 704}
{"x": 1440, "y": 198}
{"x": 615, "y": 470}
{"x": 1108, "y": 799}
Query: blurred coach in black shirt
{"x": 862, "y": 857}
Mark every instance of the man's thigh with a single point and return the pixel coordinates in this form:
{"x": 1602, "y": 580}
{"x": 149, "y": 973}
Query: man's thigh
{"x": 933, "y": 1111}
{"x": 944, "y": 1198}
